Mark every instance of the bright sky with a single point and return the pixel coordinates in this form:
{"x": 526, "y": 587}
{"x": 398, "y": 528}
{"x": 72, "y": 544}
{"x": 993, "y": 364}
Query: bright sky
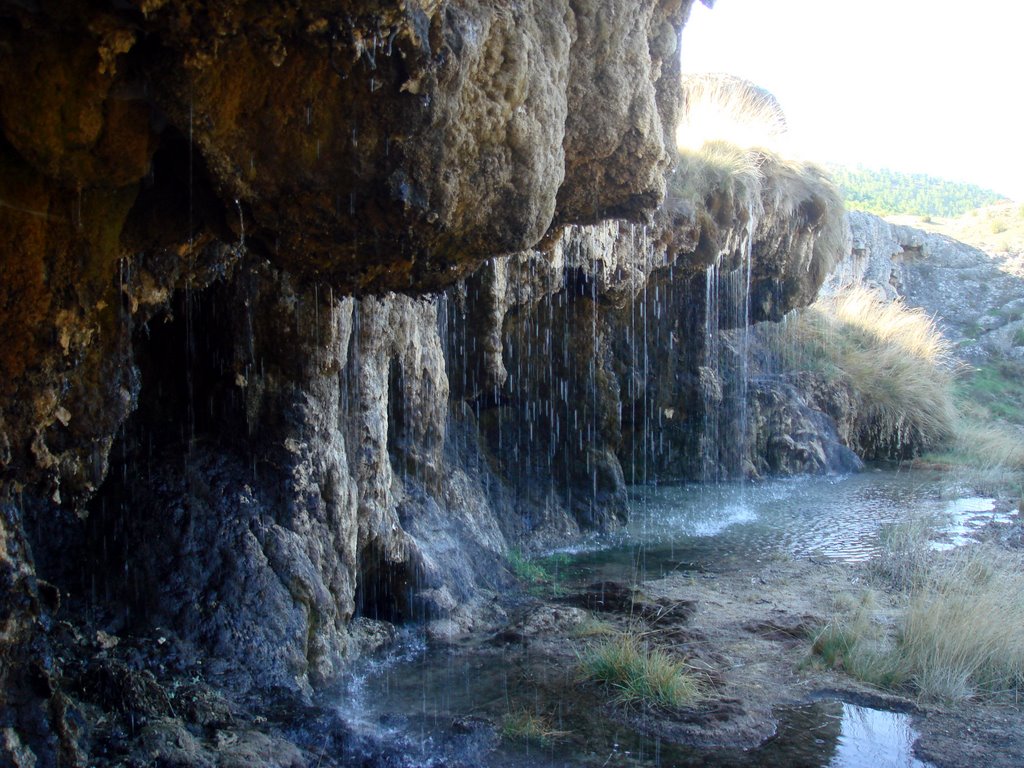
{"x": 927, "y": 86}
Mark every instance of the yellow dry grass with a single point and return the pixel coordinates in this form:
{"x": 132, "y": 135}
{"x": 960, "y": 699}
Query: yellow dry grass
{"x": 892, "y": 357}
{"x": 955, "y": 632}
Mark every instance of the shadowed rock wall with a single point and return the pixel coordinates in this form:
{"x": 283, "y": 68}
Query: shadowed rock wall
{"x": 220, "y": 424}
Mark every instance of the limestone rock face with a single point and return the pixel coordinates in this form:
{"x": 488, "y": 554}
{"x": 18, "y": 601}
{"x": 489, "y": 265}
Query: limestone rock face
{"x": 793, "y": 434}
{"x": 976, "y": 298}
{"x": 369, "y": 144}
{"x": 223, "y": 428}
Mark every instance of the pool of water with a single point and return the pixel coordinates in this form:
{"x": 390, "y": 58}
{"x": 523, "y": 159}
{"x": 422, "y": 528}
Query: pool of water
{"x": 699, "y": 527}
{"x": 442, "y": 706}
{"x": 424, "y": 708}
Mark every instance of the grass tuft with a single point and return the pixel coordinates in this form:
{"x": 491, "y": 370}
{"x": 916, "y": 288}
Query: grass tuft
{"x": 730, "y": 110}
{"x": 858, "y": 644}
{"x": 638, "y": 674}
{"x": 962, "y": 632}
{"x": 892, "y": 358}
{"x": 906, "y": 554}
{"x": 524, "y": 725}
{"x": 957, "y": 634}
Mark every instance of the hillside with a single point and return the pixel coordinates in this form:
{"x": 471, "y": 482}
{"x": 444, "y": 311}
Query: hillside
{"x": 885, "y": 192}
{"x": 995, "y": 229}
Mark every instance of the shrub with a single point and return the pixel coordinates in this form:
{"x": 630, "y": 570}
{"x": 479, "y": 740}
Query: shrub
{"x": 638, "y": 674}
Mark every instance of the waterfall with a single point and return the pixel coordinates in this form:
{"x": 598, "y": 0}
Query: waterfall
{"x": 709, "y": 379}
{"x": 725, "y": 373}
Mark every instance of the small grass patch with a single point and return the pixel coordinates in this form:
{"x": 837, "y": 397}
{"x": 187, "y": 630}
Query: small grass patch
{"x": 639, "y": 675}
{"x": 592, "y": 627}
{"x": 541, "y": 577}
{"x": 525, "y": 569}
{"x": 524, "y": 725}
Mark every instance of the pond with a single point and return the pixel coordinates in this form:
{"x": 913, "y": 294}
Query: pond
{"x": 421, "y": 706}
{"x": 697, "y": 527}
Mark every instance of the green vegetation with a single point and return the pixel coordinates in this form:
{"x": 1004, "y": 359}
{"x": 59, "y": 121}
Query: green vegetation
{"x": 892, "y": 359}
{"x": 989, "y": 431}
{"x": 994, "y": 391}
{"x": 639, "y": 675}
{"x": 526, "y": 570}
{"x": 886, "y": 193}
{"x": 957, "y": 632}
{"x": 543, "y": 577}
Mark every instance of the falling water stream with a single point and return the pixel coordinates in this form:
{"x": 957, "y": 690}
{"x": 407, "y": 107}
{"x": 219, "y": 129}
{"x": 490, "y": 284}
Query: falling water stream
{"x": 437, "y": 706}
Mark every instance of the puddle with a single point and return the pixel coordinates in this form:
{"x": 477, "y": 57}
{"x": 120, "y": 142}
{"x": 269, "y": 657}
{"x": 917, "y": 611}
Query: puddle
{"x": 873, "y": 738}
{"x": 418, "y": 703}
{"x": 966, "y": 516}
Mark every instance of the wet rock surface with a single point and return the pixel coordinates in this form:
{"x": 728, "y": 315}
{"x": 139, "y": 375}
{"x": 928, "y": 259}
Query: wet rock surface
{"x": 220, "y": 430}
{"x": 975, "y": 296}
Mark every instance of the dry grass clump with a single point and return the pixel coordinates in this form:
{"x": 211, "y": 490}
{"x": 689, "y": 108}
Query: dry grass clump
{"x": 728, "y": 109}
{"x": 894, "y": 360}
{"x": 962, "y": 633}
{"x": 638, "y": 674}
{"x": 734, "y": 164}
{"x": 957, "y": 632}
{"x": 731, "y": 140}
{"x": 990, "y": 444}
{"x": 858, "y": 643}
{"x": 989, "y": 455}
{"x": 906, "y": 555}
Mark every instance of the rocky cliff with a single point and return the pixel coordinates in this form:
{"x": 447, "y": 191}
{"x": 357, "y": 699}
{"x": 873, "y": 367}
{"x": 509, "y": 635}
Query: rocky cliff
{"x": 229, "y": 449}
{"x": 975, "y": 296}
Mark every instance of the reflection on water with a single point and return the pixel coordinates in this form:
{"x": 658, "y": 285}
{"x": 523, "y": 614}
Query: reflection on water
{"x": 872, "y": 738}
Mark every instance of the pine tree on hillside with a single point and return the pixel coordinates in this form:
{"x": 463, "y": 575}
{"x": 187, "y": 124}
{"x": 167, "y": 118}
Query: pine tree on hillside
{"x": 885, "y": 192}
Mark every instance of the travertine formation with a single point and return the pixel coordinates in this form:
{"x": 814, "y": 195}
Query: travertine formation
{"x": 223, "y": 430}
